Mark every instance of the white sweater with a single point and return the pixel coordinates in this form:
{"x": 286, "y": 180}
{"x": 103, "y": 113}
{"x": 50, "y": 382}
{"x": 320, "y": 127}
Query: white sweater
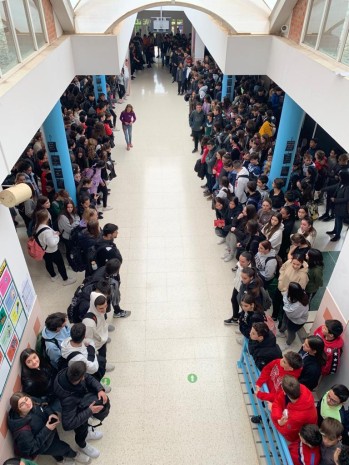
{"x": 48, "y": 239}
{"x": 98, "y": 333}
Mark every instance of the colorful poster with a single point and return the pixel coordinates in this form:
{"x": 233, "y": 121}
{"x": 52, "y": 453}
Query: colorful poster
{"x": 28, "y": 295}
{"x": 10, "y": 298}
{"x": 16, "y": 311}
{"x": 5, "y": 278}
{"x": 6, "y": 335}
{"x": 13, "y": 319}
{"x": 4, "y": 370}
{"x": 3, "y": 317}
{"x": 12, "y": 349}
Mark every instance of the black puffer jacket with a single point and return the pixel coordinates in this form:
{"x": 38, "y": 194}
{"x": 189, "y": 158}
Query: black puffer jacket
{"x": 265, "y": 351}
{"x": 246, "y": 320}
{"x": 38, "y": 383}
{"x": 30, "y": 434}
{"x": 72, "y": 396}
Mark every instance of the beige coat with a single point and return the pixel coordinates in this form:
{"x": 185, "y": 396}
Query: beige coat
{"x": 288, "y": 275}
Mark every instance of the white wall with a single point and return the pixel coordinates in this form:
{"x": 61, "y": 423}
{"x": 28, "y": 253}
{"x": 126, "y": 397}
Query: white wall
{"x": 124, "y": 32}
{"x": 213, "y": 35}
{"x": 95, "y": 54}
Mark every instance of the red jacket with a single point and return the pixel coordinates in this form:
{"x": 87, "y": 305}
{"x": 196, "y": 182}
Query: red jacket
{"x": 304, "y": 455}
{"x": 301, "y": 412}
{"x": 333, "y": 350}
{"x": 204, "y": 154}
{"x": 272, "y": 374}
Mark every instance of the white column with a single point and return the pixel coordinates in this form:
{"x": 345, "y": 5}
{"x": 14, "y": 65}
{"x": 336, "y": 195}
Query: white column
{"x": 198, "y": 47}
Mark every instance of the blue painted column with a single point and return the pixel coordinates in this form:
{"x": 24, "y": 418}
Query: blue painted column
{"x": 291, "y": 121}
{"x": 58, "y": 152}
{"x": 228, "y": 86}
{"x": 99, "y": 85}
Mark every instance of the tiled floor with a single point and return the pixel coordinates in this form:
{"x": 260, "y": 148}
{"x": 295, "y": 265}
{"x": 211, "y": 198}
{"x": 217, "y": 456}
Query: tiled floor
{"x": 178, "y": 290}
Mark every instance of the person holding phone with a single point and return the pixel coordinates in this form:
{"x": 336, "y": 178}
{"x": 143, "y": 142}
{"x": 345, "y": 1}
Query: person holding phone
{"x": 33, "y": 428}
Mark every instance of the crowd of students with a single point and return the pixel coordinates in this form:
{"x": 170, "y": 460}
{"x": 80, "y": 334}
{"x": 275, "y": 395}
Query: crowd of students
{"x": 63, "y": 377}
{"x": 270, "y": 232}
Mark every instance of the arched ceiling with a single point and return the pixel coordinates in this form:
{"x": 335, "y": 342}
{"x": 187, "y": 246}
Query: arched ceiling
{"x": 236, "y": 16}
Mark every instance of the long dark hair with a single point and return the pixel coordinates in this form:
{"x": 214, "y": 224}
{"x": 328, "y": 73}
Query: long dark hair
{"x": 269, "y": 229}
{"x": 65, "y": 213}
{"x": 315, "y": 258}
{"x": 317, "y": 344}
{"x": 296, "y": 293}
{"x": 253, "y": 274}
{"x": 34, "y": 375}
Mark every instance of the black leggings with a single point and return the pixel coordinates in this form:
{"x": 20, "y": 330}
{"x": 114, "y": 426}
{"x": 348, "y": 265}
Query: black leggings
{"x": 59, "y": 449}
{"x": 55, "y": 257}
{"x": 235, "y": 303}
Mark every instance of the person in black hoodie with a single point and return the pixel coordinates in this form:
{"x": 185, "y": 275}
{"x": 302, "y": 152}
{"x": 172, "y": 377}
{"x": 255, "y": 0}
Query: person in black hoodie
{"x": 106, "y": 249}
{"x": 222, "y": 213}
{"x": 251, "y": 312}
{"x": 288, "y": 220}
{"x": 314, "y": 358}
{"x": 33, "y": 428}
{"x": 253, "y": 195}
{"x": 262, "y": 345}
{"x": 78, "y": 392}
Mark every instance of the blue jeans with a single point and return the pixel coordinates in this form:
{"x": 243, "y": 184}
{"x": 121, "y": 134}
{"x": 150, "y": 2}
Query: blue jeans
{"x": 128, "y": 133}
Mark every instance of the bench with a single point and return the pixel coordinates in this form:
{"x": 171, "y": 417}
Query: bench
{"x": 274, "y": 450}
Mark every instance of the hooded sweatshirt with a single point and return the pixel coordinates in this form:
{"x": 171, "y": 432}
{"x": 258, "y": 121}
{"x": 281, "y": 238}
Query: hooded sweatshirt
{"x": 31, "y": 435}
{"x": 265, "y": 351}
{"x": 241, "y": 181}
{"x": 272, "y": 375}
{"x": 301, "y": 412}
{"x": 266, "y": 264}
{"x": 86, "y": 354}
{"x": 333, "y": 350}
{"x": 288, "y": 274}
{"x": 295, "y": 312}
{"x": 53, "y": 352}
{"x": 96, "y": 331}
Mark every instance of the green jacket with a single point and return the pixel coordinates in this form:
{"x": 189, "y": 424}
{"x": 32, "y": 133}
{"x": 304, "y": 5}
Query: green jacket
{"x": 315, "y": 275}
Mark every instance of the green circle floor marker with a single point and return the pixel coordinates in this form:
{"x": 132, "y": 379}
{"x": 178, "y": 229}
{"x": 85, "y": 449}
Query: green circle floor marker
{"x": 192, "y": 378}
{"x": 105, "y": 381}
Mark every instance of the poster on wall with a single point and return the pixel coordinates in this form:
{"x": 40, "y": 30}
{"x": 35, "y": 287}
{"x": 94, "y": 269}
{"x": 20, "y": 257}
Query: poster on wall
{"x": 28, "y": 296}
{"x": 13, "y": 319}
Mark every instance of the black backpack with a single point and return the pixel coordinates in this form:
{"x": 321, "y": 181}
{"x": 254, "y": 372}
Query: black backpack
{"x": 76, "y": 310}
{"x": 77, "y": 256}
{"x": 63, "y": 362}
{"x": 40, "y": 346}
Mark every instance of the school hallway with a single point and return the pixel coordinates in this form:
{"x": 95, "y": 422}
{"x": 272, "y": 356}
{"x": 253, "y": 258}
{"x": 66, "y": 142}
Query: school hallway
{"x": 176, "y": 398}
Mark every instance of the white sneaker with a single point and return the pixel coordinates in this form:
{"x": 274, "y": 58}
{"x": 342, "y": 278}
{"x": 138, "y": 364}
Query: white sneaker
{"x": 111, "y": 328}
{"x": 107, "y": 389}
{"x": 229, "y": 258}
{"x": 82, "y": 458}
{"x": 54, "y": 278}
{"x": 107, "y": 208}
{"x": 66, "y": 461}
{"x": 90, "y": 451}
{"x": 109, "y": 367}
{"x": 93, "y": 435}
{"x": 225, "y": 255}
{"x": 221, "y": 240}
{"x": 69, "y": 281}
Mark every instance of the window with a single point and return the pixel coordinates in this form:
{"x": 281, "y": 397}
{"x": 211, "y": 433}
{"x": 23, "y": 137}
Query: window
{"x": 8, "y": 55}
{"x": 327, "y": 28}
{"x": 330, "y": 38}
{"x": 21, "y": 31}
{"x": 345, "y": 56}
{"x": 37, "y": 22}
{"x": 314, "y": 23}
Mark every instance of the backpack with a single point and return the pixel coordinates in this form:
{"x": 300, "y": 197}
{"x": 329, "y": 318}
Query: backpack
{"x": 64, "y": 362}
{"x": 74, "y": 311}
{"x": 313, "y": 210}
{"x": 40, "y": 345}
{"x": 77, "y": 256}
{"x": 35, "y": 250}
{"x": 278, "y": 264}
{"x": 16, "y": 434}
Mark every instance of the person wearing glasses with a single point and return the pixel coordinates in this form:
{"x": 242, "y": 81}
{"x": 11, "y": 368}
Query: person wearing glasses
{"x": 332, "y": 406}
